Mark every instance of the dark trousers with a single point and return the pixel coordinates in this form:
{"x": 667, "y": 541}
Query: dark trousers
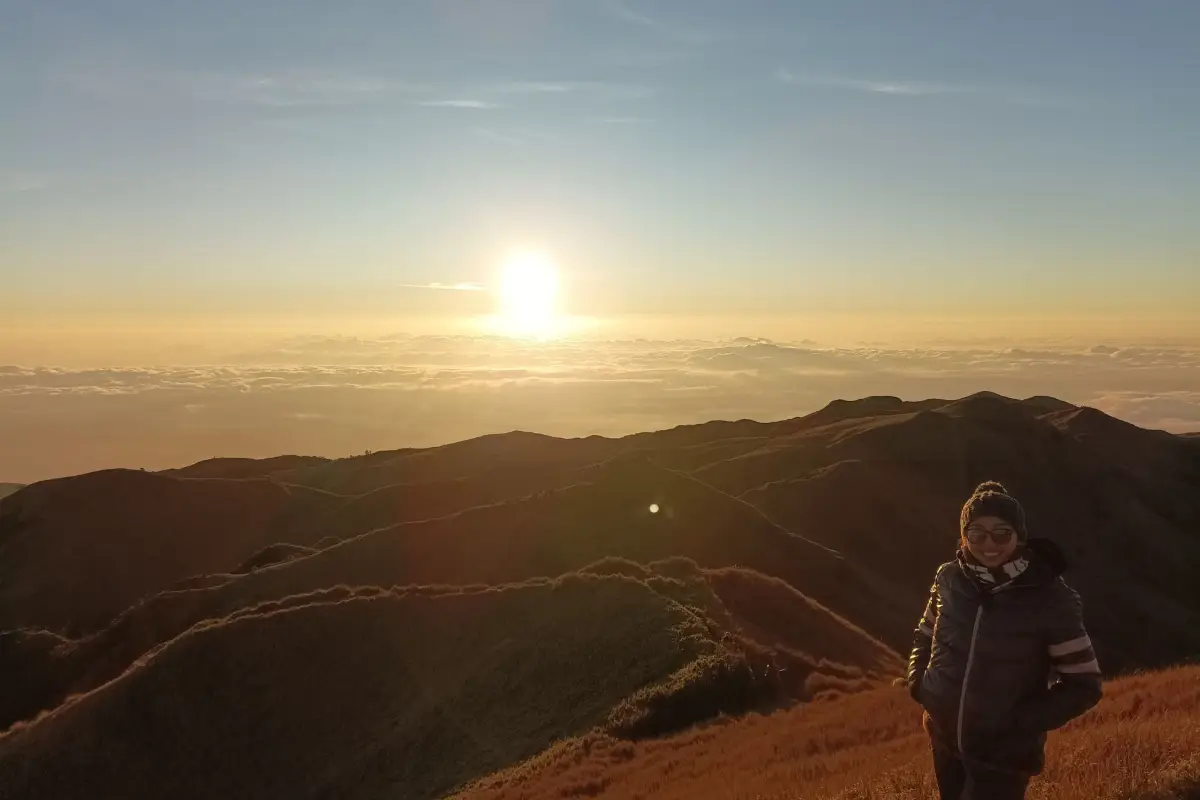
{"x": 958, "y": 782}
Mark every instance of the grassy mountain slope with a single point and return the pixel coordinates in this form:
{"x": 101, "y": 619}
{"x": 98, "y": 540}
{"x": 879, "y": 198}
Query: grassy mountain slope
{"x": 550, "y": 534}
{"x": 886, "y": 490}
{"x": 75, "y": 552}
{"x": 804, "y": 646}
{"x": 367, "y": 693}
{"x": 39, "y": 669}
{"x": 563, "y": 530}
{"x": 492, "y": 457}
{"x": 403, "y": 693}
{"x": 1140, "y": 743}
{"x": 879, "y": 480}
{"x": 203, "y": 641}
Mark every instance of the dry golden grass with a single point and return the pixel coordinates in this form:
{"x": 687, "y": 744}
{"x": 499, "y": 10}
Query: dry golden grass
{"x": 1141, "y": 743}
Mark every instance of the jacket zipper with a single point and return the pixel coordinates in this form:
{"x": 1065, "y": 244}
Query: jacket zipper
{"x": 962, "y": 699}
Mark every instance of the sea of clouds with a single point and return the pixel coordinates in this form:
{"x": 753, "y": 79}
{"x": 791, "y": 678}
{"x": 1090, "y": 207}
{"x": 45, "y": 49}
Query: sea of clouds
{"x": 336, "y": 396}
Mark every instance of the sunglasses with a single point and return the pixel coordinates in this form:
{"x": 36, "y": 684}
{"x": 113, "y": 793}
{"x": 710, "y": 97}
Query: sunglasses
{"x": 1001, "y": 536}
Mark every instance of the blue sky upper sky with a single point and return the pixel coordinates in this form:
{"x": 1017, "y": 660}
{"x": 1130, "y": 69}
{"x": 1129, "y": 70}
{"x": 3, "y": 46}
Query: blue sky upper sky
{"x": 675, "y": 157}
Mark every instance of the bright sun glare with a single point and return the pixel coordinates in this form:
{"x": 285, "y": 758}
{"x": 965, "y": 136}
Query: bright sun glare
{"x": 528, "y": 295}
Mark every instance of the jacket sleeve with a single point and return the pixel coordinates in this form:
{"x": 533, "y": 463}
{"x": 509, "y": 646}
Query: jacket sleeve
{"x": 1075, "y": 683}
{"x": 918, "y": 659}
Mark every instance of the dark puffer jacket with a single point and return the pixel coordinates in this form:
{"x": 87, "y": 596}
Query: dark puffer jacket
{"x": 995, "y": 670}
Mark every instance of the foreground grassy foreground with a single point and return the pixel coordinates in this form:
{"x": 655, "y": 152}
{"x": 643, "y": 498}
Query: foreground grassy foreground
{"x": 1141, "y": 743}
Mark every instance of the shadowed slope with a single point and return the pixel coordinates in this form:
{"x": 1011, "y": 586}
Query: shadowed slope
{"x": 798, "y": 647}
{"x": 405, "y": 693}
{"x": 486, "y": 456}
{"x": 269, "y": 556}
{"x": 554, "y": 533}
{"x": 879, "y": 480}
{"x": 772, "y": 613}
{"x": 38, "y": 671}
{"x": 416, "y": 502}
{"x": 883, "y": 491}
{"x": 75, "y": 552}
{"x": 10, "y": 488}
{"x": 1162, "y": 468}
{"x": 549, "y": 534}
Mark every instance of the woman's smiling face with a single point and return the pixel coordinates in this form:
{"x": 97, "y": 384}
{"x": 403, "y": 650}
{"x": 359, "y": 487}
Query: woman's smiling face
{"x": 991, "y": 540}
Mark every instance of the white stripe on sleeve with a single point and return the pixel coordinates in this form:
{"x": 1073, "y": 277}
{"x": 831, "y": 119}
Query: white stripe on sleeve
{"x": 1072, "y": 646}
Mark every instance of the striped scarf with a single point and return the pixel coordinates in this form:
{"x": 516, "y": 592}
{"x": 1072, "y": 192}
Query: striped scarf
{"x": 992, "y": 579}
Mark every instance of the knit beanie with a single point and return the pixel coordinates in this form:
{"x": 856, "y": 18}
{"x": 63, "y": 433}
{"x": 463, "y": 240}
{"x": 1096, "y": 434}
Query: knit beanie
{"x": 991, "y": 499}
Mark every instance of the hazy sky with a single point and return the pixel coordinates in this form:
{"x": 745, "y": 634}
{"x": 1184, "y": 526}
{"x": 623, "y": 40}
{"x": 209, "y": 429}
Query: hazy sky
{"x": 316, "y": 161}
{"x": 246, "y": 228}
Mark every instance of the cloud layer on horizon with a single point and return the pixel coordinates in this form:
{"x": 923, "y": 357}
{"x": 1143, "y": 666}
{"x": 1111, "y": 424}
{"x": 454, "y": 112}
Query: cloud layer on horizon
{"x": 336, "y": 396}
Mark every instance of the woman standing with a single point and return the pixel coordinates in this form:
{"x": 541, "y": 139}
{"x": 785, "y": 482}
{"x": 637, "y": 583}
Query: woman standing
{"x": 1000, "y": 656}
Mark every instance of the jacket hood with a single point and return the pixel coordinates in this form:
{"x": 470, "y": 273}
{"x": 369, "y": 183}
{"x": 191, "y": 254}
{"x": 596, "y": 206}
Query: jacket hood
{"x": 1048, "y": 556}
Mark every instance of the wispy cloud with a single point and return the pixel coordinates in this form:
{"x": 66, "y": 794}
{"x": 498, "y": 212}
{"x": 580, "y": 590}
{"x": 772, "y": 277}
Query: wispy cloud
{"x": 279, "y": 88}
{"x": 537, "y": 87}
{"x": 905, "y": 88}
{"x": 647, "y": 58}
{"x": 464, "y": 286}
{"x": 608, "y": 90}
{"x": 317, "y": 88}
{"x": 303, "y": 89}
{"x": 625, "y": 91}
{"x": 22, "y": 181}
{"x": 482, "y": 105}
{"x": 620, "y": 11}
{"x": 627, "y": 14}
{"x": 901, "y": 88}
{"x": 518, "y": 136}
{"x": 601, "y": 120}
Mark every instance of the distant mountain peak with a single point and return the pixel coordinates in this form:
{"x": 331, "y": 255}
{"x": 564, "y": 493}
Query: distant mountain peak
{"x": 872, "y": 406}
{"x": 988, "y": 406}
{"x": 245, "y": 467}
{"x": 1087, "y": 420}
{"x": 1046, "y": 404}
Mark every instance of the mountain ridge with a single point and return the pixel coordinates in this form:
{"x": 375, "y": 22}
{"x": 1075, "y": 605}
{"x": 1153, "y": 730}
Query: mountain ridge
{"x": 802, "y": 550}
{"x": 687, "y": 670}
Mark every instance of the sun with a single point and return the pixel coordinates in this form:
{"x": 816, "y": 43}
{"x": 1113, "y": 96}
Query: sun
{"x": 527, "y": 295}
